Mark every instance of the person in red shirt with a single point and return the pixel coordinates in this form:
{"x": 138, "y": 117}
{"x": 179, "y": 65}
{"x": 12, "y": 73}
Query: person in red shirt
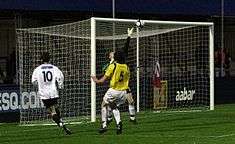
{"x": 156, "y": 84}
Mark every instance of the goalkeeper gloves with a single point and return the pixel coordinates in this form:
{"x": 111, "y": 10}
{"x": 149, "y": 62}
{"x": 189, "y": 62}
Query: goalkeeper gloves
{"x": 130, "y": 31}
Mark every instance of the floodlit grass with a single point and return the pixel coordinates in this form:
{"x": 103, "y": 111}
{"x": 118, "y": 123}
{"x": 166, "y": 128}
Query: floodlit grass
{"x": 206, "y": 127}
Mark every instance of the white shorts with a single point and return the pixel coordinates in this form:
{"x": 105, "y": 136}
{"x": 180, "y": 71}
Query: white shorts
{"x": 114, "y": 97}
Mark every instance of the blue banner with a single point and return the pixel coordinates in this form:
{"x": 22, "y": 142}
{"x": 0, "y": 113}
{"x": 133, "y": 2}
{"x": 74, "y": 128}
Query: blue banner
{"x": 12, "y": 100}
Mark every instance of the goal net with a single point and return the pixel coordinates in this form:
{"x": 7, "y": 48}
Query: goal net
{"x": 184, "y": 51}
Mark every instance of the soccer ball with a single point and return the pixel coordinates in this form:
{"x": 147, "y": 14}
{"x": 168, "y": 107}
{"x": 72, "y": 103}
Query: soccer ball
{"x": 139, "y": 23}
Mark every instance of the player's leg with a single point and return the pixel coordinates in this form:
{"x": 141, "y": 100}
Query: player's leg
{"x": 116, "y": 114}
{"x": 57, "y": 110}
{"x": 61, "y": 123}
{"x": 51, "y": 104}
{"x": 131, "y": 104}
{"x": 55, "y": 116}
{"x": 104, "y": 106}
{"x": 109, "y": 115}
{"x": 120, "y": 98}
{"x": 53, "y": 110}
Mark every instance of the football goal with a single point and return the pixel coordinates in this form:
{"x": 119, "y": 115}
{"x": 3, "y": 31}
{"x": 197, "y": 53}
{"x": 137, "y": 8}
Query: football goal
{"x": 184, "y": 51}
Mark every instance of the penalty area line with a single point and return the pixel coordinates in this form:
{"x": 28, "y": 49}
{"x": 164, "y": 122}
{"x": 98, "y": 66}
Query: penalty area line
{"x": 49, "y": 124}
{"x": 175, "y": 112}
{"x": 222, "y": 136}
{"x": 186, "y": 136}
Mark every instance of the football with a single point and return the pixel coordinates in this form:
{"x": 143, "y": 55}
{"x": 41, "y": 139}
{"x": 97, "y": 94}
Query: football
{"x": 140, "y": 23}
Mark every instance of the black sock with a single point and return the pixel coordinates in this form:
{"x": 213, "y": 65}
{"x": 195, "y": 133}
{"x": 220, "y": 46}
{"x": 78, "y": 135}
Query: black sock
{"x": 58, "y": 112}
{"x": 56, "y": 118}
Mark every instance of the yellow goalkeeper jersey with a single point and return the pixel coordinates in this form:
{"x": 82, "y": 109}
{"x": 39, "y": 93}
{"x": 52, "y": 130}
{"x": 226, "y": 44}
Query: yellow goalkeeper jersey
{"x": 119, "y": 75}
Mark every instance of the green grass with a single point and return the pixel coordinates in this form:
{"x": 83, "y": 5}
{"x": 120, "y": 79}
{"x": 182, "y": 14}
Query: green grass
{"x": 207, "y": 127}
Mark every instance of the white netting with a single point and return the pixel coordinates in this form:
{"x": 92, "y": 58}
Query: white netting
{"x": 182, "y": 50}
{"x": 183, "y": 53}
{"x": 70, "y": 52}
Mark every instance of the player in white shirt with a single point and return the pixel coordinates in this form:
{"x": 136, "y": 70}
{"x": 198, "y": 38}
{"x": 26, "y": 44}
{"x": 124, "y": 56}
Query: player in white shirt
{"x": 48, "y": 78}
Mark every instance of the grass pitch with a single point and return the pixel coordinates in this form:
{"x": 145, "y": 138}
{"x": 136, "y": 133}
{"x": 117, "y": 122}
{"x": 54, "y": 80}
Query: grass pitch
{"x": 206, "y": 127}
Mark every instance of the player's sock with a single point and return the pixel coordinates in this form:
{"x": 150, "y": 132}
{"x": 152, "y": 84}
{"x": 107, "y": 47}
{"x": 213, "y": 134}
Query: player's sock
{"x": 104, "y": 117}
{"x": 56, "y": 119}
{"x": 109, "y": 118}
{"x": 61, "y": 123}
{"x": 132, "y": 110}
{"x": 57, "y": 111}
{"x": 109, "y": 115}
{"x": 119, "y": 128}
{"x": 132, "y": 113}
{"x": 103, "y": 128}
{"x": 132, "y": 117}
{"x": 116, "y": 115}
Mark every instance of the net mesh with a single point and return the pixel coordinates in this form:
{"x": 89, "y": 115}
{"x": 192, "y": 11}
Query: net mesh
{"x": 182, "y": 51}
{"x": 70, "y": 51}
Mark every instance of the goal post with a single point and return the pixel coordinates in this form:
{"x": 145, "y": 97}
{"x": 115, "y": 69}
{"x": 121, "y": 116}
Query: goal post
{"x": 79, "y": 49}
{"x": 93, "y": 70}
{"x": 211, "y": 59}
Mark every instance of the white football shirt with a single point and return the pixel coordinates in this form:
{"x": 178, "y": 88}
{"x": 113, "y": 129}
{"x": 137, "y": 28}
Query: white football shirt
{"x": 46, "y": 76}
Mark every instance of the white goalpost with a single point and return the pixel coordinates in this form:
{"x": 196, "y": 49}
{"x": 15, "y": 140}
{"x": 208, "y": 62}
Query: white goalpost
{"x": 184, "y": 50}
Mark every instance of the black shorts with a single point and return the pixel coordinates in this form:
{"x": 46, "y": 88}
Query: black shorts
{"x": 50, "y": 102}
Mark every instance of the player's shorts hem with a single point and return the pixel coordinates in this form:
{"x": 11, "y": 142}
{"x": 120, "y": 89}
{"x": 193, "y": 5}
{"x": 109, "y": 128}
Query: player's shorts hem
{"x": 50, "y": 102}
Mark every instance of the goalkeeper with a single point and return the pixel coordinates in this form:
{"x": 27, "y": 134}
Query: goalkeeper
{"x": 128, "y": 96}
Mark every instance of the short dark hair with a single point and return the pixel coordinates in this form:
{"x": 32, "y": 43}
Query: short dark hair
{"x": 45, "y": 57}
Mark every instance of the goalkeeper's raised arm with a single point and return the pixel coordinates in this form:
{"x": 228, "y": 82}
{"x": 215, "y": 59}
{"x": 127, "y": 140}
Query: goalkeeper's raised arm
{"x": 124, "y": 50}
